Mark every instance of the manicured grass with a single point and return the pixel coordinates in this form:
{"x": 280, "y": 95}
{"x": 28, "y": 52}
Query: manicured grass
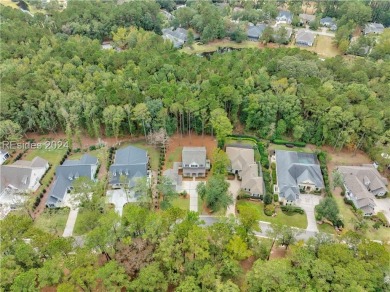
{"x": 213, "y": 46}
{"x": 153, "y": 153}
{"x": 346, "y": 212}
{"x": 326, "y": 228}
{"x": 296, "y": 220}
{"x": 53, "y": 220}
{"x": 181, "y": 203}
{"x": 296, "y": 149}
{"x": 101, "y": 154}
{"x": 173, "y": 157}
{"x": 383, "y": 233}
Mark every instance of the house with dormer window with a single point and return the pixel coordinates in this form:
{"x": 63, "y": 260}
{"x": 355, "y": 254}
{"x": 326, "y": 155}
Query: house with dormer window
{"x": 194, "y": 162}
{"x": 66, "y": 174}
{"x": 130, "y": 163}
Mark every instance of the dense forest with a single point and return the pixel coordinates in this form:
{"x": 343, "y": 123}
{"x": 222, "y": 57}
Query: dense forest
{"x": 56, "y": 77}
{"x": 152, "y": 251}
{"x": 52, "y": 81}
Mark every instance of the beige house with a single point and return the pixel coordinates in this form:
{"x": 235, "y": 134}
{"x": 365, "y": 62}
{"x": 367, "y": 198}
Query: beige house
{"x": 362, "y": 185}
{"x": 194, "y": 162}
{"x": 243, "y": 164}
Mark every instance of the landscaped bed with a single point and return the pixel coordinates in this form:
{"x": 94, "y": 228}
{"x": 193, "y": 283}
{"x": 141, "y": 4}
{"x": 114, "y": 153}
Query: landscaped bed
{"x": 296, "y": 220}
{"x": 53, "y": 220}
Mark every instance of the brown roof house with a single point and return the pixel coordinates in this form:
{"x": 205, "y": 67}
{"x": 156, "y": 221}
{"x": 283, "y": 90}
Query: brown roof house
{"x": 243, "y": 164}
{"x": 362, "y": 185}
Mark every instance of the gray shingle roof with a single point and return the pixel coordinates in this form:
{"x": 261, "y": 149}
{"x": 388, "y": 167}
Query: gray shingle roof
{"x": 284, "y": 14}
{"x": 305, "y": 37}
{"x": 373, "y": 28}
{"x": 131, "y": 162}
{"x": 194, "y": 154}
{"x": 255, "y": 31}
{"x": 67, "y": 173}
{"x": 294, "y": 168}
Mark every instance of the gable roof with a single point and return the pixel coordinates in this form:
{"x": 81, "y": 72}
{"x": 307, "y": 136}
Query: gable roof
{"x": 327, "y": 20}
{"x": 194, "y": 155}
{"x": 305, "y": 37}
{"x": 373, "y": 27}
{"x": 178, "y": 36}
{"x": 307, "y": 17}
{"x": 294, "y": 168}
{"x": 255, "y": 31}
{"x": 67, "y": 173}
{"x": 131, "y": 162}
{"x": 18, "y": 174}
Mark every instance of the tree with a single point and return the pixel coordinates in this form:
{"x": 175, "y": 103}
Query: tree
{"x": 249, "y": 217}
{"x": 337, "y": 179}
{"x": 113, "y": 276}
{"x": 215, "y": 193}
{"x": 142, "y": 114}
{"x": 221, "y": 162}
{"x": 190, "y": 38}
{"x": 283, "y": 235}
{"x": 266, "y": 37}
{"x": 238, "y": 249}
{"x": 150, "y": 279}
{"x": 328, "y": 209}
{"x": 221, "y": 124}
{"x": 168, "y": 191}
{"x": 10, "y": 131}
{"x": 238, "y": 35}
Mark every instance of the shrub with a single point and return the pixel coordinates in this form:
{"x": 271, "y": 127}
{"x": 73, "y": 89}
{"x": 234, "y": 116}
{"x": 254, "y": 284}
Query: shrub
{"x": 290, "y": 210}
{"x": 282, "y": 142}
{"x": 267, "y": 199}
{"x": 243, "y": 195}
{"x": 91, "y": 148}
{"x": 269, "y": 210}
{"x": 377, "y": 225}
{"x": 382, "y": 218}
{"x": 349, "y": 202}
{"x": 276, "y": 197}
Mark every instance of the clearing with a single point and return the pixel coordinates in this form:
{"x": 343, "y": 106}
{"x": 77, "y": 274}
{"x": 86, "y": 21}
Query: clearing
{"x": 323, "y": 46}
{"x": 53, "y": 220}
{"x": 296, "y": 220}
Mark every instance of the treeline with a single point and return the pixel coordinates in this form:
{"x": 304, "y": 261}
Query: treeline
{"x": 145, "y": 250}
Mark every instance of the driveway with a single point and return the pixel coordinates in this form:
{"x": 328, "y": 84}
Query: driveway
{"x": 234, "y": 188}
{"x": 119, "y": 198}
{"x": 68, "y": 231}
{"x": 383, "y": 205}
{"x": 190, "y": 188}
{"x": 307, "y": 203}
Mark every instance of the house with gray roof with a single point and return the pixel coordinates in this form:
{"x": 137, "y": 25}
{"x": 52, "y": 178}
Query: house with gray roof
{"x": 362, "y": 184}
{"x": 306, "y": 18}
{"x": 194, "y": 162}
{"x": 328, "y": 22}
{"x": 130, "y": 164}
{"x": 373, "y": 28}
{"x": 177, "y": 36}
{"x": 66, "y": 174}
{"x": 284, "y": 16}
{"x": 22, "y": 175}
{"x": 305, "y": 38}
{"x": 297, "y": 173}
{"x": 243, "y": 164}
{"x": 276, "y": 36}
{"x": 254, "y": 32}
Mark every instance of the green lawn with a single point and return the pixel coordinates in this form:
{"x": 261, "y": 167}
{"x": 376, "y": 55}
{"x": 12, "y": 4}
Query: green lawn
{"x": 181, "y": 203}
{"x": 326, "y": 228}
{"x": 79, "y": 226}
{"x": 53, "y": 220}
{"x": 173, "y": 157}
{"x": 101, "y": 154}
{"x": 296, "y": 220}
{"x": 54, "y": 157}
{"x": 213, "y": 46}
{"x": 153, "y": 153}
{"x": 296, "y": 149}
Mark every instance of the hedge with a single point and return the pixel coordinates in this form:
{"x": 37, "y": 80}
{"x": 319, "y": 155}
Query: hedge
{"x": 382, "y": 218}
{"x": 349, "y": 202}
{"x": 290, "y": 210}
{"x": 283, "y": 142}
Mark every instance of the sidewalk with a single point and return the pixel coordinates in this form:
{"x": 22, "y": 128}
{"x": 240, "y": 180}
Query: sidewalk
{"x": 68, "y": 231}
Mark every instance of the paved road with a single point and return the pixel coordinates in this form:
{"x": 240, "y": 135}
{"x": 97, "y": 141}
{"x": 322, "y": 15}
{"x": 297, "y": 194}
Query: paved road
{"x": 264, "y": 226}
{"x": 383, "y": 205}
{"x": 68, "y": 231}
{"x": 234, "y": 187}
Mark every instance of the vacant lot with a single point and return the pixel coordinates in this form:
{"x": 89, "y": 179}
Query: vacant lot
{"x": 296, "y": 220}
{"x": 53, "y": 220}
{"x": 324, "y": 47}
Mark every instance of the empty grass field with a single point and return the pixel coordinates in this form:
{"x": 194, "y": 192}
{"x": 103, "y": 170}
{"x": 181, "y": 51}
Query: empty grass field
{"x": 323, "y": 46}
{"x": 53, "y": 220}
{"x": 296, "y": 220}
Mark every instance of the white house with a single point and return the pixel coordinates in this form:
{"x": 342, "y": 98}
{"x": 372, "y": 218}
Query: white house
{"x": 3, "y": 156}
{"x": 284, "y": 17}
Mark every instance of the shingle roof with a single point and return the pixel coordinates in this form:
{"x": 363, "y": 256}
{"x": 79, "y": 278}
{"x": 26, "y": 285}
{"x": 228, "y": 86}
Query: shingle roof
{"x": 373, "y": 28}
{"x": 194, "y": 154}
{"x": 67, "y": 173}
{"x": 131, "y": 162}
{"x": 294, "y": 168}
{"x": 255, "y": 31}
{"x": 284, "y": 14}
{"x": 305, "y": 37}
{"x": 307, "y": 17}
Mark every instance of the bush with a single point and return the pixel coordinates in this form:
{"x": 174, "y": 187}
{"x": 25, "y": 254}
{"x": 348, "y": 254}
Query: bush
{"x": 91, "y": 148}
{"x": 377, "y": 225}
{"x": 243, "y": 195}
{"x": 349, "y": 202}
{"x": 267, "y": 199}
{"x": 269, "y": 210}
{"x": 382, "y": 218}
{"x": 276, "y": 198}
{"x": 290, "y": 210}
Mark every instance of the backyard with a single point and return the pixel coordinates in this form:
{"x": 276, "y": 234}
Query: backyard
{"x": 307, "y": 148}
{"x": 173, "y": 156}
{"x": 296, "y": 220}
{"x": 213, "y": 46}
{"x": 53, "y": 220}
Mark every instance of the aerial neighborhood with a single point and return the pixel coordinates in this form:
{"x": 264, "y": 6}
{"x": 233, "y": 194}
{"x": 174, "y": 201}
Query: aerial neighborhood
{"x": 177, "y": 145}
